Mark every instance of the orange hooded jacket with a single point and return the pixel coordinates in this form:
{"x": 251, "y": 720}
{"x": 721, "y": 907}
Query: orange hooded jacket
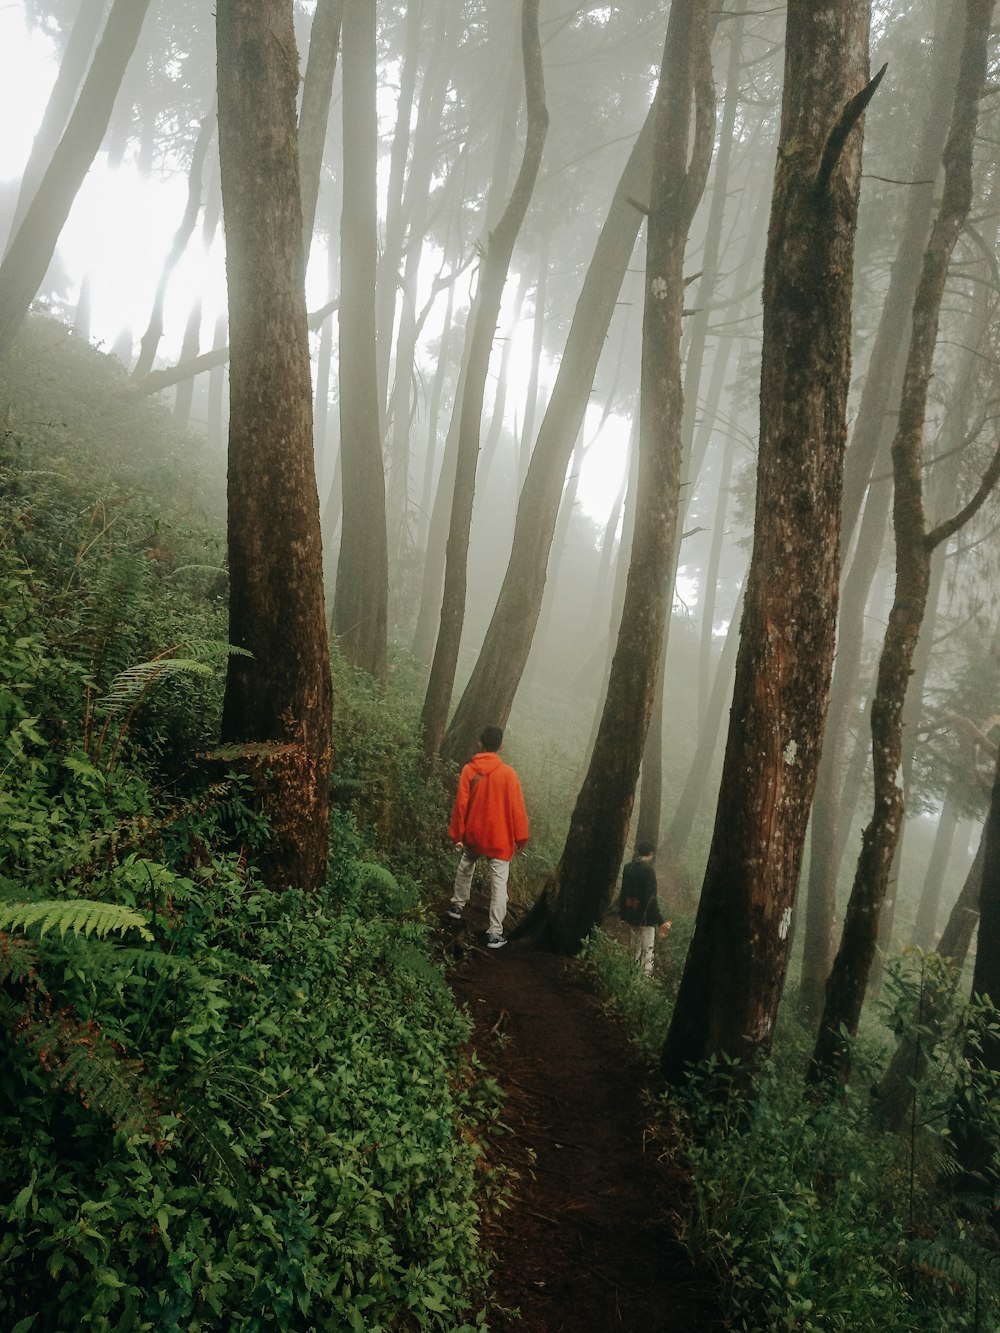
{"x": 489, "y": 817}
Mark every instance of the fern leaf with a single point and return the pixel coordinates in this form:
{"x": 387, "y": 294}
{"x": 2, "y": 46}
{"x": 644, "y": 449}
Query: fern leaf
{"x": 79, "y": 1059}
{"x": 206, "y": 1142}
{"x": 80, "y": 915}
{"x": 17, "y": 959}
{"x": 129, "y": 686}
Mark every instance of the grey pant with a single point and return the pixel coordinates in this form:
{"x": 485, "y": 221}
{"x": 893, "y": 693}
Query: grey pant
{"x": 499, "y": 870}
{"x": 641, "y": 941}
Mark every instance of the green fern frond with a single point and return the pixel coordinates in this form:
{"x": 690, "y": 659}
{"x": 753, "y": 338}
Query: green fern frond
{"x": 206, "y": 1142}
{"x": 78, "y": 1059}
{"x": 97, "y": 957}
{"x": 213, "y": 650}
{"x": 129, "y": 686}
{"x": 81, "y": 915}
{"x": 375, "y": 876}
{"x": 17, "y": 959}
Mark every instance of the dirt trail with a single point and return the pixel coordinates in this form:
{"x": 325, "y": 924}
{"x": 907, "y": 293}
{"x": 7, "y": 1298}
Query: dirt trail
{"x": 586, "y": 1245}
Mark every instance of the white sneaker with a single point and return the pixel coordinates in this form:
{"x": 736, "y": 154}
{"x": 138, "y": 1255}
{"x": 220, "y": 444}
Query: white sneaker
{"x": 455, "y": 912}
{"x": 495, "y": 941}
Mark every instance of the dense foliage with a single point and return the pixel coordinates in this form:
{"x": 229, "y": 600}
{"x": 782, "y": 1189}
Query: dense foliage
{"x": 220, "y": 1107}
{"x": 812, "y": 1214}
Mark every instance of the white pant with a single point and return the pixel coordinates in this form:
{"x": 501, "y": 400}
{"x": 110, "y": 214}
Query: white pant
{"x": 640, "y": 947}
{"x": 499, "y": 870}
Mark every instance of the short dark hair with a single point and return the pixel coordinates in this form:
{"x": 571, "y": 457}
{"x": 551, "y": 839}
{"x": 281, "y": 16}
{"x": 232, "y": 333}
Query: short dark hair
{"x": 491, "y": 738}
{"x": 645, "y": 848}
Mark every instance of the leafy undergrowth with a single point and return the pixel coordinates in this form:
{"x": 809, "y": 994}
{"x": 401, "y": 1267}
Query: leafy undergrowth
{"x": 811, "y": 1213}
{"x": 220, "y": 1108}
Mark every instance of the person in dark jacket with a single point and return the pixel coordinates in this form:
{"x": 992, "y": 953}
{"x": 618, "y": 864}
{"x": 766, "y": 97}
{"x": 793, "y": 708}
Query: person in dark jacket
{"x": 639, "y": 906}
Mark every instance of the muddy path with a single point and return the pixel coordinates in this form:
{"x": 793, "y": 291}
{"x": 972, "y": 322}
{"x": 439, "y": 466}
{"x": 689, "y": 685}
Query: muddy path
{"x": 587, "y": 1244}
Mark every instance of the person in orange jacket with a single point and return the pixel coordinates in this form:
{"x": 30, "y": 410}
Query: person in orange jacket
{"x": 488, "y": 819}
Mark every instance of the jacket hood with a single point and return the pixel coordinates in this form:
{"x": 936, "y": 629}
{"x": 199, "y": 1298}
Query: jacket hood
{"x": 485, "y": 762}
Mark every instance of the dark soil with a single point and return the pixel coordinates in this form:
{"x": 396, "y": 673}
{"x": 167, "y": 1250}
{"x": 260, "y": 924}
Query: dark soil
{"x": 587, "y": 1243}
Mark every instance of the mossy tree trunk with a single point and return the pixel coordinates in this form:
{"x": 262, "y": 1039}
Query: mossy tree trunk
{"x": 277, "y": 708}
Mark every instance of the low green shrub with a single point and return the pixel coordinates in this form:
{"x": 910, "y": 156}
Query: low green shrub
{"x": 638, "y": 1000}
{"x": 311, "y": 1157}
{"x": 812, "y": 1216}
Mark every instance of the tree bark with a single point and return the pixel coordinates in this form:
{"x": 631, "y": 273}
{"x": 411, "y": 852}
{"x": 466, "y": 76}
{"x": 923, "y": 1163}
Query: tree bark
{"x": 492, "y": 277}
{"x": 733, "y": 977}
{"x": 31, "y": 249}
{"x": 578, "y": 892}
{"x": 277, "y": 707}
{"x": 848, "y": 979}
{"x": 361, "y": 601}
{"x": 502, "y": 658}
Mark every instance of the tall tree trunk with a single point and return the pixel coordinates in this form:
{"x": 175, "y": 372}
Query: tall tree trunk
{"x": 324, "y": 450}
{"x": 492, "y": 277}
{"x": 278, "y": 701}
{"x": 361, "y": 601}
{"x": 433, "y": 416}
{"x": 31, "y": 249}
{"x": 876, "y": 416}
{"x": 72, "y": 67}
{"x": 579, "y": 890}
{"x": 531, "y": 393}
{"x": 402, "y": 400}
{"x": 437, "y": 536}
{"x": 721, "y": 377}
{"x": 395, "y": 226}
{"x": 314, "y": 114}
{"x": 944, "y": 489}
{"x": 610, "y": 637}
{"x": 870, "y": 441}
{"x": 735, "y": 969}
{"x": 154, "y": 330}
{"x": 830, "y": 821}
{"x": 502, "y": 658}
{"x": 495, "y": 430}
{"x": 914, "y": 544}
